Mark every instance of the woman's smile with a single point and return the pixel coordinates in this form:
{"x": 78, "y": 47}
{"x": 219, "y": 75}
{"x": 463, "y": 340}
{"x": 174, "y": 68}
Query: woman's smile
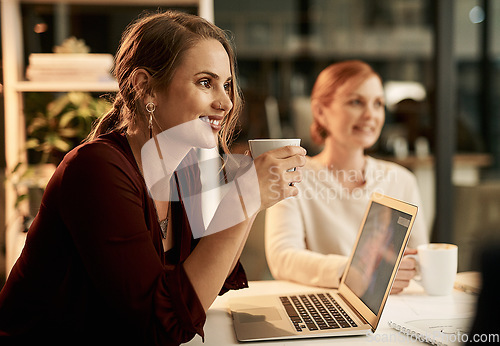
{"x": 214, "y": 121}
{"x": 365, "y": 129}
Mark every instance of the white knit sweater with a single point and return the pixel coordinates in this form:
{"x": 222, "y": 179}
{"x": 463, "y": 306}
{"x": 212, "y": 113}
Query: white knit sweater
{"x": 309, "y": 237}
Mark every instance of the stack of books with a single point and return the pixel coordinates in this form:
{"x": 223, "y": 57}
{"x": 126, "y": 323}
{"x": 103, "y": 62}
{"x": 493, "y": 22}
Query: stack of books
{"x": 72, "y": 67}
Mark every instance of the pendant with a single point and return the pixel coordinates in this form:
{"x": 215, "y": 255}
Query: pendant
{"x": 163, "y": 227}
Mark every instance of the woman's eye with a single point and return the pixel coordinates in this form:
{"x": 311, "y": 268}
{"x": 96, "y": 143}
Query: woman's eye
{"x": 228, "y": 86}
{"x": 205, "y": 83}
{"x": 379, "y": 104}
{"x": 355, "y": 102}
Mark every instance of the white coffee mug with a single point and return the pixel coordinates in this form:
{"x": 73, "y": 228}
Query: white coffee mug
{"x": 437, "y": 263}
{"x": 260, "y": 146}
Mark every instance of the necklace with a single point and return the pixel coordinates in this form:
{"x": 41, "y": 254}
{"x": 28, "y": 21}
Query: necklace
{"x": 163, "y": 223}
{"x": 163, "y": 227}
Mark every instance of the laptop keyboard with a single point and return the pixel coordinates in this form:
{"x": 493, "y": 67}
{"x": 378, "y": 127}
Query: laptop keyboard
{"x": 316, "y": 312}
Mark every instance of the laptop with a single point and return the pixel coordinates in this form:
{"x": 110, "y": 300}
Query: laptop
{"x": 356, "y": 306}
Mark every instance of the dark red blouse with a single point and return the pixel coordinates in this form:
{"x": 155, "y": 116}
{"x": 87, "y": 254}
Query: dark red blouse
{"x": 93, "y": 267}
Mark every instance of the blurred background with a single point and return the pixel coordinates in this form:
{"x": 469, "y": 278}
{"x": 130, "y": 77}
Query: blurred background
{"x": 439, "y": 59}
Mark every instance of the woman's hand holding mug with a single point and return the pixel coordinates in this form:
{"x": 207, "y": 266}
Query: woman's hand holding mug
{"x": 277, "y": 173}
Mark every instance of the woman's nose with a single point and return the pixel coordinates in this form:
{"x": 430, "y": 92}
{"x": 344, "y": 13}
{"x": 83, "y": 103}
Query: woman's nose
{"x": 368, "y": 112}
{"x": 223, "y": 103}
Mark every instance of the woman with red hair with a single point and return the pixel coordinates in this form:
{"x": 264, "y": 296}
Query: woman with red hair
{"x": 309, "y": 238}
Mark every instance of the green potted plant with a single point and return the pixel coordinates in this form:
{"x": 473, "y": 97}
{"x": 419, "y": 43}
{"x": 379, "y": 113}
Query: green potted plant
{"x": 64, "y": 123}
{"x": 51, "y": 133}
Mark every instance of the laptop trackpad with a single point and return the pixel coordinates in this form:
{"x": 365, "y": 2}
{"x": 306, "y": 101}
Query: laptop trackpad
{"x": 257, "y": 315}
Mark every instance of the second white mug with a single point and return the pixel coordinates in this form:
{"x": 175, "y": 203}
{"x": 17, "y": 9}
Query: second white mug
{"x": 438, "y": 267}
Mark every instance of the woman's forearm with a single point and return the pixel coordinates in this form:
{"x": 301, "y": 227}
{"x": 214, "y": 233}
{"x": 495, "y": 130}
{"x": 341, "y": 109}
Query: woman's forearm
{"x": 238, "y": 255}
{"x": 214, "y": 258}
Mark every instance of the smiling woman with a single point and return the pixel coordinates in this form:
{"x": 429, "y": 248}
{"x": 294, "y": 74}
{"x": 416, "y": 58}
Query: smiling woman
{"x": 309, "y": 238}
{"x": 104, "y": 260}
{"x": 146, "y": 64}
{"x": 203, "y": 85}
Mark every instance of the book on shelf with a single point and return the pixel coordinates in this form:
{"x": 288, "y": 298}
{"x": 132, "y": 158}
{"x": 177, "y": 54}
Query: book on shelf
{"x": 70, "y": 67}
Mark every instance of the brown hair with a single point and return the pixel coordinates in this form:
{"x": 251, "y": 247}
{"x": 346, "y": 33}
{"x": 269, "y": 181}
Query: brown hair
{"x": 327, "y": 84}
{"x": 157, "y": 43}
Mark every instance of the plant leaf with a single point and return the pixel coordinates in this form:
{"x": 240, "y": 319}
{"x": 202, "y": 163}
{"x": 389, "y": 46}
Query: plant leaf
{"x": 67, "y": 117}
{"x": 32, "y": 143}
{"x": 61, "y": 145}
{"x": 69, "y": 132}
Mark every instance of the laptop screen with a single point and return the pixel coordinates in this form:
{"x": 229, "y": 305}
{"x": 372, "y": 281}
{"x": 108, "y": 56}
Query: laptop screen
{"x": 375, "y": 256}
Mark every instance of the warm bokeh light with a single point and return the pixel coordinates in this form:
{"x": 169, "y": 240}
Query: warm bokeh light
{"x": 40, "y": 28}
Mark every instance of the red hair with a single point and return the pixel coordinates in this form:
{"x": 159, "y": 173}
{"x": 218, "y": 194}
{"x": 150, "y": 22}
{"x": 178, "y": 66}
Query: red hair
{"x": 327, "y": 84}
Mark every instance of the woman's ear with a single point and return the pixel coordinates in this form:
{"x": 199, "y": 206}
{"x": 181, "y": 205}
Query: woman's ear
{"x": 318, "y": 111}
{"x": 141, "y": 83}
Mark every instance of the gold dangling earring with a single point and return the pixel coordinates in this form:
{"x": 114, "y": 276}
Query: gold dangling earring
{"x": 150, "y": 107}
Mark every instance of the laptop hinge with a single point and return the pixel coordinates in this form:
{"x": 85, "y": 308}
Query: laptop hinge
{"x": 353, "y": 309}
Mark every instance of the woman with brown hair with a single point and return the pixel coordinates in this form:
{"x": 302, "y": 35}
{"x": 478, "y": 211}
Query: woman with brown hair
{"x": 105, "y": 261}
{"x": 309, "y": 238}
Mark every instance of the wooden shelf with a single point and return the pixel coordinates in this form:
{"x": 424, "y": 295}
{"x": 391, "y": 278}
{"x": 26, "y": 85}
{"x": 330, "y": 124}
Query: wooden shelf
{"x": 477, "y": 160}
{"x": 27, "y": 86}
{"x": 117, "y": 2}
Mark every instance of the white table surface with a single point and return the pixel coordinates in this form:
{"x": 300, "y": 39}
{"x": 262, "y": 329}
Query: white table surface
{"x": 413, "y": 303}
